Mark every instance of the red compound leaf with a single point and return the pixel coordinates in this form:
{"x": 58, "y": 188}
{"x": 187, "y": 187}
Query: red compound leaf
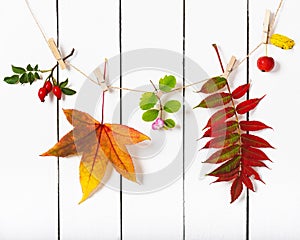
{"x": 238, "y": 151}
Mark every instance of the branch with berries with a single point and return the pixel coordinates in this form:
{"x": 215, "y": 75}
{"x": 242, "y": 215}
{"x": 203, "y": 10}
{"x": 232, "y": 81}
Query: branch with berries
{"x": 33, "y": 74}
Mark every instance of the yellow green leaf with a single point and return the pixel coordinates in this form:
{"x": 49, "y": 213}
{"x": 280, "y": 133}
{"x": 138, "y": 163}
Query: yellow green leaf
{"x": 98, "y": 143}
{"x": 282, "y": 41}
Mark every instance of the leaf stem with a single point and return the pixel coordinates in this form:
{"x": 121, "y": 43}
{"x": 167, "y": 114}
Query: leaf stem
{"x": 103, "y": 93}
{"x": 159, "y": 100}
{"x": 218, "y": 54}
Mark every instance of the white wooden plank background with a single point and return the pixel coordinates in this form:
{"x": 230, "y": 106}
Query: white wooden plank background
{"x": 189, "y": 208}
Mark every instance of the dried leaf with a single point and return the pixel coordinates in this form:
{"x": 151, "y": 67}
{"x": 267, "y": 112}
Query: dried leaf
{"x": 282, "y": 41}
{"x": 221, "y": 129}
{"x": 254, "y": 141}
{"x": 250, "y": 171}
{"x": 98, "y": 143}
{"x": 220, "y": 116}
{"x": 223, "y": 141}
{"x": 253, "y": 163}
{"x": 253, "y": 153}
{"x": 247, "y": 181}
{"x": 227, "y": 167}
{"x": 253, "y": 125}
{"x": 239, "y": 151}
{"x": 223, "y": 154}
{"x": 248, "y": 105}
{"x": 214, "y": 84}
{"x": 215, "y": 100}
{"x": 226, "y": 177}
{"x": 236, "y": 189}
{"x": 240, "y": 91}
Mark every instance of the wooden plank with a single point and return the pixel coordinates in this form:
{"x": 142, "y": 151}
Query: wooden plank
{"x": 275, "y": 206}
{"x": 209, "y": 214}
{"x": 152, "y": 210}
{"x": 28, "y": 127}
{"x": 91, "y": 27}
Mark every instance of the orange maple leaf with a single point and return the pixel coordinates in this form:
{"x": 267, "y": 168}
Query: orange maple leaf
{"x": 98, "y": 143}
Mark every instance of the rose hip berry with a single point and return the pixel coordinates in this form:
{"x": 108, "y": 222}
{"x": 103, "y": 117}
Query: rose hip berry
{"x": 57, "y": 92}
{"x": 48, "y": 86}
{"x": 42, "y": 94}
{"x": 265, "y": 63}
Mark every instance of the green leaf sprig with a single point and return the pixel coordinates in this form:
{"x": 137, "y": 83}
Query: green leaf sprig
{"x": 23, "y": 75}
{"x": 154, "y": 107}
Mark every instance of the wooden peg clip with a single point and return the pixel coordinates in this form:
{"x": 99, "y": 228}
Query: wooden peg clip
{"x": 229, "y": 67}
{"x": 56, "y": 53}
{"x": 100, "y": 79}
{"x": 266, "y": 27}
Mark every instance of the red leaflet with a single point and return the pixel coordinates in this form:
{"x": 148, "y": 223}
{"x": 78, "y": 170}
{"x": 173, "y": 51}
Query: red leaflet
{"x": 247, "y": 181}
{"x": 240, "y": 91}
{"x": 236, "y": 189}
{"x": 250, "y": 171}
{"x": 223, "y": 154}
{"x": 252, "y": 125}
{"x": 253, "y": 163}
{"x": 213, "y": 85}
{"x": 254, "y": 153}
{"x": 254, "y": 141}
{"x": 227, "y": 168}
{"x": 221, "y": 129}
{"x": 226, "y": 177}
{"x": 223, "y": 141}
{"x": 215, "y": 100}
{"x": 248, "y": 105}
{"x": 220, "y": 116}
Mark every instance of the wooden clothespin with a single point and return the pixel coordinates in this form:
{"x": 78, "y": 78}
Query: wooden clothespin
{"x": 56, "y": 53}
{"x": 266, "y": 27}
{"x": 229, "y": 67}
{"x": 101, "y": 79}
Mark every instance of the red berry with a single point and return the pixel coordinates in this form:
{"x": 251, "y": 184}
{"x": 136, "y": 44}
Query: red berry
{"x": 265, "y": 63}
{"x": 42, "y": 94}
{"x": 48, "y": 86}
{"x": 57, "y": 92}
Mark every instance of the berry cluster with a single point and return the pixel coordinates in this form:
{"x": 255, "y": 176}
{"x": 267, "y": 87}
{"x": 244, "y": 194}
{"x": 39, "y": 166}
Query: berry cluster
{"x": 55, "y": 88}
{"x": 30, "y": 75}
{"x": 47, "y": 88}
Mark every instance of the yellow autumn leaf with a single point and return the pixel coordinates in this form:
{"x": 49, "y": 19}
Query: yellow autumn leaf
{"x": 98, "y": 143}
{"x": 282, "y": 41}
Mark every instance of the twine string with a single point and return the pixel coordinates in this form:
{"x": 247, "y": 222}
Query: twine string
{"x": 36, "y": 21}
{"x": 143, "y": 91}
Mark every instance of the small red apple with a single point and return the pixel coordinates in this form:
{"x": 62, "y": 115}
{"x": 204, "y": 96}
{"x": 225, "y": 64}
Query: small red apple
{"x": 265, "y": 63}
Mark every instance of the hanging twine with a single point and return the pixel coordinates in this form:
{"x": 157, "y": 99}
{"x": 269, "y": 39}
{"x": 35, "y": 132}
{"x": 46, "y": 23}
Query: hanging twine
{"x": 142, "y": 91}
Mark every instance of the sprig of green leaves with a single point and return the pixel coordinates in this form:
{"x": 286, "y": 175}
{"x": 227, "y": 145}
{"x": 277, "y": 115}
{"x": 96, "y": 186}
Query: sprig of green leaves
{"x": 23, "y": 75}
{"x": 153, "y": 105}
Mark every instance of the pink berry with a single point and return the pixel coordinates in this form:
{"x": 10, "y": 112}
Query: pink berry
{"x": 158, "y": 124}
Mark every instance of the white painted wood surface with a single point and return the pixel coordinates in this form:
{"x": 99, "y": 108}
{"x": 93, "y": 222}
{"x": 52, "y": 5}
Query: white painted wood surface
{"x": 274, "y": 208}
{"x": 180, "y": 208}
